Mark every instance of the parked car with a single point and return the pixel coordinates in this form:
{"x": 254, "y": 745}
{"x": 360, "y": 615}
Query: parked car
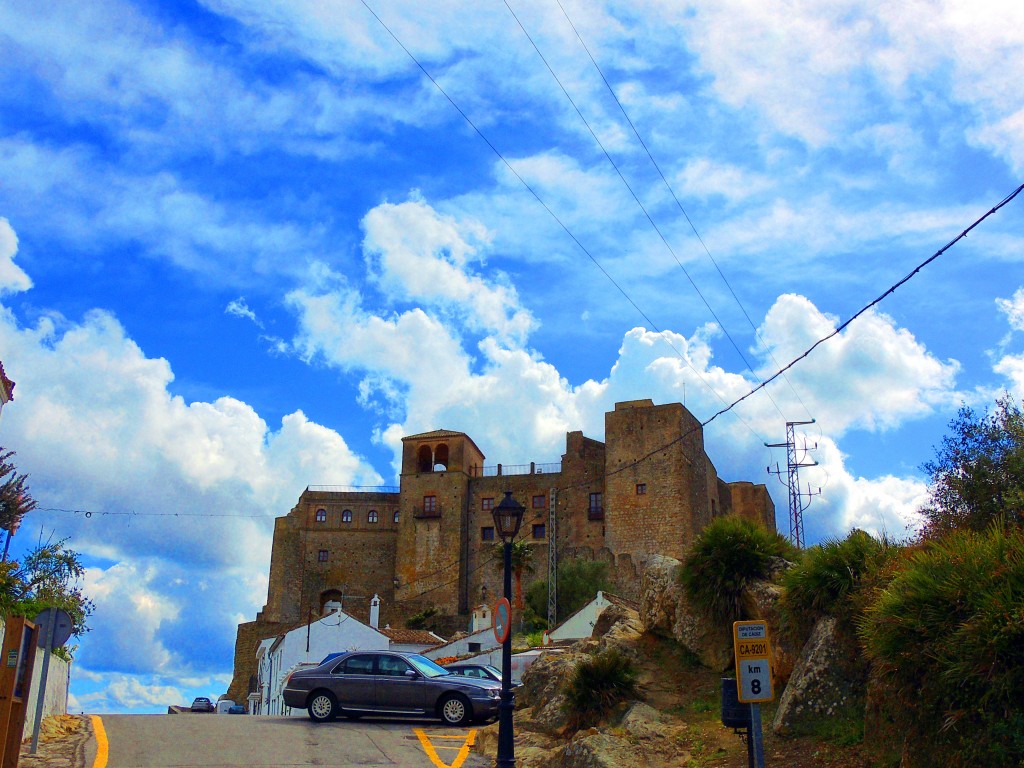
{"x": 480, "y": 672}
{"x": 202, "y": 704}
{"x": 358, "y": 683}
{"x": 236, "y": 709}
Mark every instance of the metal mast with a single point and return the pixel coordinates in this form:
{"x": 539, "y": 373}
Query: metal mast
{"x": 553, "y": 560}
{"x": 798, "y": 501}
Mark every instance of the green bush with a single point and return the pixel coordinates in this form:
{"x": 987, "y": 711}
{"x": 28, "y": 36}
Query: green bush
{"x": 728, "y": 555}
{"x": 948, "y": 636}
{"x": 829, "y": 579}
{"x": 598, "y": 684}
{"x": 421, "y": 619}
{"x": 579, "y": 581}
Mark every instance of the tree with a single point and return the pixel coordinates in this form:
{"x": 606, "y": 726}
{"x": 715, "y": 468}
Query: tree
{"x": 522, "y": 556}
{"x": 977, "y": 475}
{"x": 579, "y": 581}
{"x": 48, "y": 577}
{"x": 15, "y": 500}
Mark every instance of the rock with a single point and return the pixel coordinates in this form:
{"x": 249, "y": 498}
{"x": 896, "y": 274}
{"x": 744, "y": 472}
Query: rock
{"x": 643, "y": 721}
{"x": 659, "y": 594}
{"x": 761, "y": 601}
{"x": 542, "y": 695}
{"x": 829, "y": 680}
{"x": 619, "y": 628}
{"x": 709, "y": 640}
{"x": 601, "y": 750}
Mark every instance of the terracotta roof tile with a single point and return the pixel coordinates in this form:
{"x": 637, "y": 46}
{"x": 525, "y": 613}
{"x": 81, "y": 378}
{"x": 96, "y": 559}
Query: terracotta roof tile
{"x": 411, "y": 636}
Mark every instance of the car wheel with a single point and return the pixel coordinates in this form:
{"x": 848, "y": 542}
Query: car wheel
{"x": 455, "y": 710}
{"x": 322, "y": 707}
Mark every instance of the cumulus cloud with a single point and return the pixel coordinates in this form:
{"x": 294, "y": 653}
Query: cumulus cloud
{"x": 12, "y": 277}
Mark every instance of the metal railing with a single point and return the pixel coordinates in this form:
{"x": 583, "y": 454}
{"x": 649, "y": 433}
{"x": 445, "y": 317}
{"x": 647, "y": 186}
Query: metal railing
{"x": 421, "y": 513}
{"x": 595, "y": 513}
{"x": 352, "y": 488}
{"x": 502, "y": 470}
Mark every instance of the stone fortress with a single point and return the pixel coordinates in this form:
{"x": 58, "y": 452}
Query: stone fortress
{"x": 648, "y": 489}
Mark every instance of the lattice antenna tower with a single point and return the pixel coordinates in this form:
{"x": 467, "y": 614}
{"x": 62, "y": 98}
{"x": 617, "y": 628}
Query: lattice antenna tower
{"x": 553, "y": 560}
{"x": 798, "y": 500}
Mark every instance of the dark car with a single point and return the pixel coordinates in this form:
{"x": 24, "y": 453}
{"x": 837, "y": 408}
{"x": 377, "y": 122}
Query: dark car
{"x": 358, "y": 683}
{"x": 202, "y": 704}
{"x": 479, "y": 671}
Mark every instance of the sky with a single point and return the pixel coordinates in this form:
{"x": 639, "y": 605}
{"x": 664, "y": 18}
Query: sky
{"x": 246, "y": 247}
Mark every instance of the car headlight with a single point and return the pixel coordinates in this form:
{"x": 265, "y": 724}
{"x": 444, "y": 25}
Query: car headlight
{"x": 494, "y": 693}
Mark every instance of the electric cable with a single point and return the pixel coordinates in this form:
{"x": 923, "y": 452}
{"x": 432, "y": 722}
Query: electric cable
{"x": 552, "y": 214}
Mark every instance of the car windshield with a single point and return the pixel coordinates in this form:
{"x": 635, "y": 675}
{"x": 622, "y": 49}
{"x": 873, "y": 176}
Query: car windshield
{"x": 426, "y": 667}
{"x": 493, "y": 670}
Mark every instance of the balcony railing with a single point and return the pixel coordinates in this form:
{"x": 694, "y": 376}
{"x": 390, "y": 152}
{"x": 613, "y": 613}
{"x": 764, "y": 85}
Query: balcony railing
{"x": 421, "y": 513}
{"x": 595, "y": 513}
{"x": 502, "y": 470}
{"x": 352, "y": 489}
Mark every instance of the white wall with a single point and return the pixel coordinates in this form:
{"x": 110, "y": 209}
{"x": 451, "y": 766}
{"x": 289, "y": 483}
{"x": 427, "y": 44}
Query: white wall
{"x": 55, "y": 702}
{"x": 581, "y": 624}
{"x": 484, "y": 638}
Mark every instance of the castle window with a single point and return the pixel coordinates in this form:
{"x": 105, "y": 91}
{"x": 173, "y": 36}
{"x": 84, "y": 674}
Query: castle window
{"x": 321, "y": 515}
{"x": 322, "y": 556}
{"x": 441, "y": 458}
{"x": 425, "y": 459}
{"x": 540, "y": 502}
{"x": 346, "y": 516}
{"x": 538, "y": 531}
{"x": 487, "y": 504}
{"x": 371, "y": 517}
{"x": 395, "y": 516}
{"x": 596, "y": 509}
{"x": 641, "y": 489}
{"x": 487, "y": 533}
{"x": 430, "y": 505}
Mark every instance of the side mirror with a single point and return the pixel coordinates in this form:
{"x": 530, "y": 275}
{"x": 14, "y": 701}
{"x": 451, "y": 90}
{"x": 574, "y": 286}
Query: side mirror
{"x": 412, "y": 674}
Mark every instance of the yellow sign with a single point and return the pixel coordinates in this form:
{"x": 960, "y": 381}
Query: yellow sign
{"x": 753, "y": 652}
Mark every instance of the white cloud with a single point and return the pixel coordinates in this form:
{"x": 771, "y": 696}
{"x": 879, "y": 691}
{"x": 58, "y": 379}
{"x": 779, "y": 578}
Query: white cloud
{"x": 12, "y": 277}
{"x": 239, "y": 308}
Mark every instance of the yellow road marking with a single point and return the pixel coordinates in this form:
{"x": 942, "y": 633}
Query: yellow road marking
{"x": 101, "y": 743}
{"x": 431, "y": 751}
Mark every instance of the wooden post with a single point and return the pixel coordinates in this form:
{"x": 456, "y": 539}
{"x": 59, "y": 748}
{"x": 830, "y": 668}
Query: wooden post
{"x": 16, "y": 665}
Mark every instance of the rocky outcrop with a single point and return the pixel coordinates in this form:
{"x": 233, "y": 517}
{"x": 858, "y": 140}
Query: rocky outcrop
{"x": 761, "y": 599}
{"x": 665, "y": 610}
{"x": 829, "y": 680}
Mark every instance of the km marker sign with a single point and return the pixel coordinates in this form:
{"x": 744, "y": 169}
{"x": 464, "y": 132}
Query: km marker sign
{"x": 753, "y": 662}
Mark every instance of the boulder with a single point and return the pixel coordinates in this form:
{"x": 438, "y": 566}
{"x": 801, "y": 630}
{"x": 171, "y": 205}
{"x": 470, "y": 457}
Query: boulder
{"x": 619, "y": 627}
{"x": 660, "y": 591}
{"x": 542, "y": 695}
{"x": 828, "y": 680}
{"x": 761, "y": 601}
{"x": 590, "y": 749}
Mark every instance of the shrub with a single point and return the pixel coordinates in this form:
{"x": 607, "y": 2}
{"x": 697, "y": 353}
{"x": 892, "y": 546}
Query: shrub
{"x": 598, "y": 684}
{"x": 421, "y": 619}
{"x": 579, "y": 581}
{"x": 948, "y": 636}
{"x": 729, "y": 554}
{"x": 828, "y": 580}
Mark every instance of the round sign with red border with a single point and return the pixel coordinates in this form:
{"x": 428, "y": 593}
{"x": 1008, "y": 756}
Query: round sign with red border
{"x": 502, "y": 620}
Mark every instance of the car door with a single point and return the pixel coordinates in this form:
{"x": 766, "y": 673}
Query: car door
{"x": 396, "y": 690}
{"x": 353, "y": 680}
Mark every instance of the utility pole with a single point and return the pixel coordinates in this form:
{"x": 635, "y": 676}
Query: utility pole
{"x": 553, "y": 560}
{"x": 798, "y": 501}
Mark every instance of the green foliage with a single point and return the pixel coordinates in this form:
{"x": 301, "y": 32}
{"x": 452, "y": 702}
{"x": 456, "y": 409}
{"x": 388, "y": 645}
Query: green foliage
{"x": 729, "y": 554}
{"x": 598, "y": 684}
{"x": 15, "y": 499}
{"x": 579, "y": 581}
{"x": 977, "y": 475}
{"x": 47, "y": 578}
{"x": 830, "y": 579}
{"x": 535, "y": 639}
{"x": 947, "y": 635}
{"x": 421, "y": 619}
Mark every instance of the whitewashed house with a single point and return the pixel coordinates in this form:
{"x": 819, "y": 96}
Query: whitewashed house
{"x": 581, "y": 624}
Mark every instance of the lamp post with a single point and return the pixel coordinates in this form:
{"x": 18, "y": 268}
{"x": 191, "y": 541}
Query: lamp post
{"x": 508, "y": 516}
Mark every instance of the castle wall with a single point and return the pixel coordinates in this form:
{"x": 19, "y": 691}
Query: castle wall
{"x": 753, "y": 502}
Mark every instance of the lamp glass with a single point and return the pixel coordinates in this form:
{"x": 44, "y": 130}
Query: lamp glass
{"x": 508, "y": 516}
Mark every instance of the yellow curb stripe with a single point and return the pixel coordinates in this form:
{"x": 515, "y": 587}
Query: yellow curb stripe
{"x": 102, "y": 747}
{"x": 431, "y": 752}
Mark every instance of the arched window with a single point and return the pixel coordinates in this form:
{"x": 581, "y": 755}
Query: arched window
{"x": 424, "y": 459}
{"x": 441, "y": 458}
{"x": 346, "y": 516}
{"x": 396, "y": 516}
{"x": 321, "y": 515}
{"x": 371, "y": 517}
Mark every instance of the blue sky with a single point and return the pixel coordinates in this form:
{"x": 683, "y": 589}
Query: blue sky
{"x": 247, "y": 246}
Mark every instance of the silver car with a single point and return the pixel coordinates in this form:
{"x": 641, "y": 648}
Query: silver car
{"x": 358, "y": 683}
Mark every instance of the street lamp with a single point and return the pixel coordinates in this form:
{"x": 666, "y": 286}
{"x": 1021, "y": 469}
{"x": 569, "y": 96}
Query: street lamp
{"x": 508, "y": 516}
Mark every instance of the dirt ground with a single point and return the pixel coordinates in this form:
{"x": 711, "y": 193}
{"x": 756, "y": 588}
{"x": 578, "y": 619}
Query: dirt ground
{"x": 676, "y": 686}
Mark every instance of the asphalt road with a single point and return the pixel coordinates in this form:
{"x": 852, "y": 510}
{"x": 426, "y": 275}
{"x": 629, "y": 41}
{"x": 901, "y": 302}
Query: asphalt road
{"x": 225, "y": 741}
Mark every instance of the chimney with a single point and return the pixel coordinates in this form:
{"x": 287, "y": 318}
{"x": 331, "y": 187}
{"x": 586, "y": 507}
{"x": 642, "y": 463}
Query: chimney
{"x": 375, "y": 612}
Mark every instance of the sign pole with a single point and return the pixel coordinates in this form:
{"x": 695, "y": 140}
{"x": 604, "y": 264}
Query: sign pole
{"x": 753, "y": 651}
{"x": 756, "y": 737}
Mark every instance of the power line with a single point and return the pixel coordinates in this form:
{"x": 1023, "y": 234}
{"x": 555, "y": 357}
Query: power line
{"x": 551, "y": 213}
{"x": 839, "y": 329}
{"x": 679, "y": 204}
{"x": 90, "y": 513}
{"x": 636, "y": 198}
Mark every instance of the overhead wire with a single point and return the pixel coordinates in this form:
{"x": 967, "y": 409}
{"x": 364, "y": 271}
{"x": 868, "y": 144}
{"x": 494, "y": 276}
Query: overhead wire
{"x": 639, "y": 203}
{"x": 550, "y": 211}
{"x": 679, "y": 204}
